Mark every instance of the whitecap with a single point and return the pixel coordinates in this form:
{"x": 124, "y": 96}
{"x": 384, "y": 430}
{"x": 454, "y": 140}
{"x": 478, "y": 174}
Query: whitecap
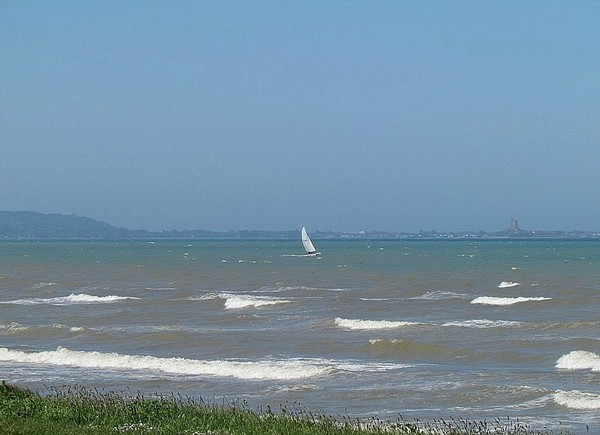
{"x": 579, "y": 360}
{"x": 489, "y": 300}
{"x": 244, "y": 301}
{"x": 369, "y": 324}
{"x": 360, "y": 367}
{"x": 206, "y": 297}
{"x": 507, "y": 284}
{"x": 577, "y": 399}
{"x": 375, "y": 299}
{"x": 376, "y": 341}
{"x": 70, "y": 300}
{"x": 484, "y": 323}
{"x": 248, "y": 370}
{"x": 44, "y": 284}
{"x": 305, "y": 288}
{"x": 282, "y": 289}
{"x": 293, "y": 388}
{"x": 10, "y": 328}
{"x": 438, "y": 295}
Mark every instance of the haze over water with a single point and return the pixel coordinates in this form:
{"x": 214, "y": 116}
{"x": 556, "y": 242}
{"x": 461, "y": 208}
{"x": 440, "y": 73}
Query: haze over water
{"x": 423, "y": 329}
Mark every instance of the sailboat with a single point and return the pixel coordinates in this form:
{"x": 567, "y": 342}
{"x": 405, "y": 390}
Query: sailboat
{"x": 308, "y": 246}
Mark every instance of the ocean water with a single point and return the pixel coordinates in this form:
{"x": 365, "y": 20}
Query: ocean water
{"x": 425, "y": 329}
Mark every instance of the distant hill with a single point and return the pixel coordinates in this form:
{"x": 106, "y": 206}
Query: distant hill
{"x": 31, "y": 225}
{"x": 16, "y": 225}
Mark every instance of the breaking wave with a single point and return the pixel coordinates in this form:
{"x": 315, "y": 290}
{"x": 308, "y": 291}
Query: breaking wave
{"x": 249, "y": 370}
{"x": 579, "y": 360}
{"x": 11, "y": 328}
{"x": 14, "y": 328}
{"x": 484, "y": 323}
{"x": 262, "y": 370}
{"x": 507, "y": 284}
{"x": 370, "y": 324}
{"x": 244, "y": 301}
{"x": 577, "y": 400}
{"x": 43, "y": 284}
{"x": 439, "y": 295}
{"x": 70, "y": 300}
{"x": 490, "y": 300}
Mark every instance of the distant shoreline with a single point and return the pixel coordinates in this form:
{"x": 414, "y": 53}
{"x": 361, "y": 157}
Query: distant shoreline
{"x": 25, "y": 225}
{"x": 284, "y": 239}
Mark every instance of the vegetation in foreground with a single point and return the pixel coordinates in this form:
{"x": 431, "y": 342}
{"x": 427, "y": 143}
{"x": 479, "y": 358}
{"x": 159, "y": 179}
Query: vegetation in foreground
{"x": 77, "y": 410}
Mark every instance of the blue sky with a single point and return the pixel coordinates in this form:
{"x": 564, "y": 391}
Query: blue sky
{"x": 337, "y": 115}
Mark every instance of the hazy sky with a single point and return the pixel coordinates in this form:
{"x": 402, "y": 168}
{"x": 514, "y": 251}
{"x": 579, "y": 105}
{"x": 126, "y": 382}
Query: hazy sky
{"x": 337, "y": 115}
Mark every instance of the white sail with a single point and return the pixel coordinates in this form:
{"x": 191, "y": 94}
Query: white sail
{"x": 308, "y": 246}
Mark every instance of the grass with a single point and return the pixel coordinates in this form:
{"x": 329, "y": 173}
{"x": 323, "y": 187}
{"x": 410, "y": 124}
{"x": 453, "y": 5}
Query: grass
{"x": 78, "y": 410}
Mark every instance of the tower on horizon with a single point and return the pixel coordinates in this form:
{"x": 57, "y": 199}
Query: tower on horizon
{"x": 514, "y": 224}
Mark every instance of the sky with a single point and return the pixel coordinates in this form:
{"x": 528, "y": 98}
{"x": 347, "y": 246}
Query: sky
{"x": 273, "y": 115}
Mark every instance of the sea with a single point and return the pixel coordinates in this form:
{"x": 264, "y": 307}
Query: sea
{"x": 386, "y": 329}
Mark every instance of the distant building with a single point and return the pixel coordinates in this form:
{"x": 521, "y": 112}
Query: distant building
{"x": 514, "y": 224}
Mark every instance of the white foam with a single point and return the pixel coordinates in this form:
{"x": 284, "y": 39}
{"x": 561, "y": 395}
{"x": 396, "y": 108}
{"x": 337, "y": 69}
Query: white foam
{"x": 70, "y": 328}
{"x": 369, "y": 324}
{"x": 70, "y": 300}
{"x": 437, "y": 295}
{"x": 577, "y": 400}
{"x": 302, "y": 288}
{"x": 293, "y": 388}
{"x": 489, "y": 300}
{"x": 43, "y": 284}
{"x": 245, "y": 301}
{"x": 10, "y": 328}
{"x": 375, "y": 299}
{"x": 205, "y": 297}
{"x": 507, "y": 284}
{"x": 579, "y": 360}
{"x": 376, "y": 341}
{"x": 360, "y": 367}
{"x": 484, "y": 323}
{"x": 248, "y": 370}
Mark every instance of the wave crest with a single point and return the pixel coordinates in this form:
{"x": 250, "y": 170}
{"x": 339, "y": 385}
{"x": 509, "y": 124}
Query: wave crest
{"x": 40, "y": 285}
{"x": 439, "y": 295}
{"x": 484, "y": 323}
{"x": 243, "y": 301}
{"x": 577, "y": 400}
{"x": 508, "y": 284}
{"x": 248, "y": 370}
{"x": 369, "y": 324}
{"x": 72, "y": 299}
{"x": 490, "y": 300}
{"x": 579, "y": 360}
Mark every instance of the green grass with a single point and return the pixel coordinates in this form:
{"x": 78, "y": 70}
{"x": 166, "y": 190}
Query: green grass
{"x": 78, "y": 410}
